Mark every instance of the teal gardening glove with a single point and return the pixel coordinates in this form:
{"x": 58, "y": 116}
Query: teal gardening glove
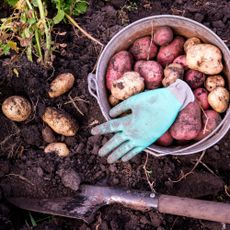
{"x": 152, "y": 114}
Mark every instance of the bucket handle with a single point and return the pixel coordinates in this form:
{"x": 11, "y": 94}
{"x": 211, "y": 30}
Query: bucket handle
{"x": 92, "y": 85}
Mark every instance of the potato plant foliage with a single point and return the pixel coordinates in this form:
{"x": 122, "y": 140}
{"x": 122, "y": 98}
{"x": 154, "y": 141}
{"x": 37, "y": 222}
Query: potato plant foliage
{"x": 28, "y": 29}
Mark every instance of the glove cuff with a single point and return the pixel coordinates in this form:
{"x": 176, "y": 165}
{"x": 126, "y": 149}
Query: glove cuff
{"x": 181, "y": 90}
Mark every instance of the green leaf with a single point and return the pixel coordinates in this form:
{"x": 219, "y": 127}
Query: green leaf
{"x": 34, "y": 3}
{"x": 5, "y": 49}
{"x": 59, "y": 17}
{"x": 80, "y": 8}
{"x": 31, "y": 21}
{"x": 11, "y": 2}
{"x": 32, "y": 220}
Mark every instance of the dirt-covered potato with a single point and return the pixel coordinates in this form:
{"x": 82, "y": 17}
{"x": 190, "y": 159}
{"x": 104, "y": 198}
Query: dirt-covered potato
{"x": 219, "y": 99}
{"x": 151, "y": 71}
{"x": 48, "y": 135}
{"x": 165, "y": 140}
{"x": 59, "y": 148}
{"x": 120, "y": 63}
{"x": 191, "y": 42}
{"x": 182, "y": 61}
{"x": 143, "y": 49}
{"x": 16, "y": 108}
{"x": 168, "y": 53}
{"x": 205, "y": 58}
{"x": 61, "y": 84}
{"x": 214, "y": 81}
{"x": 60, "y": 122}
{"x": 163, "y": 35}
{"x": 188, "y": 123}
{"x": 113, "y": 101}
{"x": 129, "y": 84}
{"x": 172, "y": 72}
{"x": 211, "y": 119}
{"x": 194, "y": 78}
{"x": 201, "y": 95}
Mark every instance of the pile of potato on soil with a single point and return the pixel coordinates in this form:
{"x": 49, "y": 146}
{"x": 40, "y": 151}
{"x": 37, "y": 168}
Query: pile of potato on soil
{"x": 18, "y": 108}
{"x": 157, "y": 61}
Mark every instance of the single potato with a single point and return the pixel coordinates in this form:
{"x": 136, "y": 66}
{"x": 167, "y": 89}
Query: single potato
{"x": 143, "y": 48}
{"x": 151, "y": 71}
{"x": 191, "y": 42}
{"x": 59, "y": 148}
{"x": 219, "y": 99}
{"x": 163, "y": 36}
{"x": 113, "y": 100}
{"x": 172, "y": 72}
{"x": 48, "y": 135}
{"x": 188, "y": 123}
{"x": 16, "y": 108}
{"x": 59, "y": 122}
{"x": 210, "y": 119}
{"x": 129, "y": 84}
{"x": 214, "y": 81}
{"x": 61, "y": 84}
{"x": 205, "y": 58}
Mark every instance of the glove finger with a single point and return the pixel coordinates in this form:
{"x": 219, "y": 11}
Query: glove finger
{"x": 111, "y": 126}
{"x": 119, "y": 109}
{"x": 107, "y": 127}
{"x": 119, "y": 152}
{"x": 113, "y": 143}
{"x": 132, "y": 153}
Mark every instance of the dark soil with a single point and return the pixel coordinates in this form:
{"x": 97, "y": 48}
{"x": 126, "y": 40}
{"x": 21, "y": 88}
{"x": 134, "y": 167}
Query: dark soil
{"x": 25, "y": 170}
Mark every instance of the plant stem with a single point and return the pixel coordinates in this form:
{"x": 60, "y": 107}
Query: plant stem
{"x": 47, "y": 32}
{"x": 73, "y": 22}
{"x": 29, "y": 52}
{"x": 36, "y": 32}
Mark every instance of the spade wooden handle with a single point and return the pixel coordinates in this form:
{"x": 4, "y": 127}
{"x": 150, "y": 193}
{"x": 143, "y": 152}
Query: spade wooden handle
{"x": 206, "y": 210}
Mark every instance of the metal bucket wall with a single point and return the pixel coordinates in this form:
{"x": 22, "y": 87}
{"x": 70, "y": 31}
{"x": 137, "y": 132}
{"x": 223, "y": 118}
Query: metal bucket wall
{"x": 122, "y": 40}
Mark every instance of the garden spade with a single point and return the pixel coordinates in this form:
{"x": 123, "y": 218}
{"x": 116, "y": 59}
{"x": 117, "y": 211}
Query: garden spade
{"x": 84, "y": 204}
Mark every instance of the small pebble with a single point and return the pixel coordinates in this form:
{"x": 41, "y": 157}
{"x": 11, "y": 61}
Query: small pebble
{"x": 70, "y": 179}
{"x": 40, "y": 172}
{"x": 112, "y": 168}
{"x": 218, "y": 24}
{"x": 216, "y": 147}
{"x": 199, "y": 17}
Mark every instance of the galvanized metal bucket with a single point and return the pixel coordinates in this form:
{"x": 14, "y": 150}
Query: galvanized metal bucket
{"x": 123, "y": 39}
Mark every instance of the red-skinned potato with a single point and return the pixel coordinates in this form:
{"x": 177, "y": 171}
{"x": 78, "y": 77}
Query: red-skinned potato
{"x": 182, "y": 61}
{"x": 201, "y": 95}
{"x": 188, "y": 123}
{"x": 165, "y": 140}
{"x": 194, "y": 78}
{"x": 211, "y": 119}
{"x": 120, "y": 63}
{"x": 143, "y": 49}
{"x": 151, "y": 71}
{"x": 168, "y": 53}
{"x": 163, "y": 35}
